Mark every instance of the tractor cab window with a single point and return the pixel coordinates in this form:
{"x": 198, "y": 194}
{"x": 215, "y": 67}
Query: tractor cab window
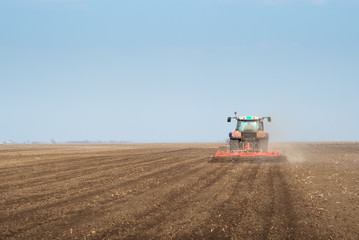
{"x": 249, "y": 126}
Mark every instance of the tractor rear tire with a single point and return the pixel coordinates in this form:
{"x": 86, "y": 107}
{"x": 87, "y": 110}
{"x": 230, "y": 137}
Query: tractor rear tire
{"x": 233, "y": 145}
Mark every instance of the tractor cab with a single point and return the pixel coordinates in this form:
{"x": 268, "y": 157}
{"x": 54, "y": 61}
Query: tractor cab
{"x": 249, "y": 123}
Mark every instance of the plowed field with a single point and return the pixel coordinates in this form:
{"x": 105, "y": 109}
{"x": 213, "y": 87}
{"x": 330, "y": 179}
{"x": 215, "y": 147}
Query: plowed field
{"x": 169, "y": 191}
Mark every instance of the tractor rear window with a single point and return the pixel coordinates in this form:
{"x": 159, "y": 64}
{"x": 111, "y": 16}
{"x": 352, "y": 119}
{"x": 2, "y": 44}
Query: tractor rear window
{"x": 249, "y": 126}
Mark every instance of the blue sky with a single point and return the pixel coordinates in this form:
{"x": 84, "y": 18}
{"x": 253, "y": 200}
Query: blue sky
{"x": 172, "y": 71}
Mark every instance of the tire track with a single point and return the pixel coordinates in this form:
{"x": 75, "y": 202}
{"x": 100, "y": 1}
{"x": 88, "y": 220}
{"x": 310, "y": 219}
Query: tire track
{"x": 225, "y": 217}
{"x": 283, "y": 203}
{"x": 268, "y": 214}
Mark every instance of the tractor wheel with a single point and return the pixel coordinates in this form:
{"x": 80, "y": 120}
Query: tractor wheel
{"x": 263, "y": 145}
{"x": 233, "y": 145}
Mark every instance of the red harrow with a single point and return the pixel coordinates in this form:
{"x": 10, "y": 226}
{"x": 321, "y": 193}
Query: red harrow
{"x": 242, "y": 156}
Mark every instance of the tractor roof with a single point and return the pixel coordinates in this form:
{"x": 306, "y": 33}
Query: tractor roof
{"x": 249, "y": 118}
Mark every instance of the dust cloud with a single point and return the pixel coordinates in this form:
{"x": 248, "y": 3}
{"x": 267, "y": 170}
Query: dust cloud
{"x": 295, "y": 157}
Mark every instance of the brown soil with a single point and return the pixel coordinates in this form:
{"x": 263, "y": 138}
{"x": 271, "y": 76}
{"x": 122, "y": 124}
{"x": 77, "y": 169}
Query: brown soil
{"x": 169, "y": 191}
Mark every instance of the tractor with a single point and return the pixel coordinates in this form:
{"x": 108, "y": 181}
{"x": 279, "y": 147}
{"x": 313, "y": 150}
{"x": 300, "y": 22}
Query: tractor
{"x": 249, "y": 134}
{"x": 248, "y": 142}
